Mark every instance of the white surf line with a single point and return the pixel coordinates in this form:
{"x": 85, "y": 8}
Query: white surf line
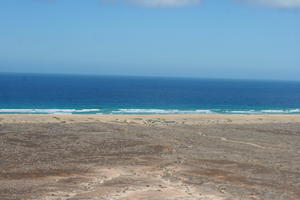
{"x": 232, "y": 141}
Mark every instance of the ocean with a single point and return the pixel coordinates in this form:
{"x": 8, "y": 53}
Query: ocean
{"x": 87, "y": 94}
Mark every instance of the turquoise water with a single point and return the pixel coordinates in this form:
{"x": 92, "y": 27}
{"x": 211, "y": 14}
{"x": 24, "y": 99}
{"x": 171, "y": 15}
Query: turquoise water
{"x": 78, "y": 94}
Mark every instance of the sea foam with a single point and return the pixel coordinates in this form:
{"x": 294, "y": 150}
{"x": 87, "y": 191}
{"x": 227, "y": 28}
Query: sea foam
{"x": 48, "y": 111}
{"x": 287, "y": 111}
{"x": 160, "y": 111}
{"x": 146, "y": 111}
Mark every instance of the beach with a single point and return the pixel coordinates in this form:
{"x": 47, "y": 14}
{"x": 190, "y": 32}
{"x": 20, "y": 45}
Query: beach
{"x": 149, "y": 157}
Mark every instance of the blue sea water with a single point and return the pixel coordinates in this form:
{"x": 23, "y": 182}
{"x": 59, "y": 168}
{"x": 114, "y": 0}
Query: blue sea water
{"x": 82, "y": 94}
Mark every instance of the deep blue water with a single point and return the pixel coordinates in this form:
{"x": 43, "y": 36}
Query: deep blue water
{"x": 36, "y": 93}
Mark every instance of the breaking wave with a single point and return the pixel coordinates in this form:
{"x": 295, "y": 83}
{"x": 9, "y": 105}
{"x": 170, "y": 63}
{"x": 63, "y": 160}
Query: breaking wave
{"x": 209, "y": 111}
{"x": 288, "y": 111}
{"x": 160, "y": 111}
{"x": 146, "y": 111}
{"x": 48, "y": 111}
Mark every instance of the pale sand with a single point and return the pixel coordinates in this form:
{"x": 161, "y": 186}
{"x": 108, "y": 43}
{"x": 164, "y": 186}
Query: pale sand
{"x": 150, "y": 157}
{"x": 192, "y": 119}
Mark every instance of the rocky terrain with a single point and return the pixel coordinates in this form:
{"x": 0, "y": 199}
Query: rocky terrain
{"x": 187, "y": 157}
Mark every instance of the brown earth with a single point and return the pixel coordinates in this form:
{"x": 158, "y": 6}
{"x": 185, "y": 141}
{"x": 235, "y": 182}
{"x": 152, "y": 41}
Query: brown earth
{"x": 186, "y": 157}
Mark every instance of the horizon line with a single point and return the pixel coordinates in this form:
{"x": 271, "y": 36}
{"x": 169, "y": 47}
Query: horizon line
{"x": 153, "y": 76}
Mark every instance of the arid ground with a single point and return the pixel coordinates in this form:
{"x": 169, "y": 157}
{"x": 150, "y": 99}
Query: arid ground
{"x": 152, "y": 157}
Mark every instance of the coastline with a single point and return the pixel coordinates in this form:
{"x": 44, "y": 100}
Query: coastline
{"x": 192, "y": 119}
{"x": 147, "y": 111}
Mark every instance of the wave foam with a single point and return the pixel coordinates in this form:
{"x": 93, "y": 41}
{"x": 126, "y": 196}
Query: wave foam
{"x": 281, "y": 111}
{"x": 160, "y": 111}
{"x": 145, "y": 111}
{"x": 176, "y": 111}
{"x": 48, "y": 111}
{"x": 288, "y": 111}
{"x": 242, "y": 112}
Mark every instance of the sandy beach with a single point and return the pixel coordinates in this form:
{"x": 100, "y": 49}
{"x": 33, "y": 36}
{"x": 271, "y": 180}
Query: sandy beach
{"x": 149, "y": 157}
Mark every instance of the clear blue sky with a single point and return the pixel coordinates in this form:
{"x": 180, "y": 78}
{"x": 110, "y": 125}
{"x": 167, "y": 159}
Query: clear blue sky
{"x": 257, "y": 39}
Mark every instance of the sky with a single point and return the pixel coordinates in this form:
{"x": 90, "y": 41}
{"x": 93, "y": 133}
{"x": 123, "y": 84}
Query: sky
{"x": 245, "y": 39}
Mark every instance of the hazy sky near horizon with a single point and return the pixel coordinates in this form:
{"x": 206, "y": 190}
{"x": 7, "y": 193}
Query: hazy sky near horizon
{"x": 257, "y": 39}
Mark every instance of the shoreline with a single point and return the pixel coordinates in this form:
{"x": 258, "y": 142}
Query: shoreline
{"x": 191, "y": 119}
{"x": 147, "y": 111}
